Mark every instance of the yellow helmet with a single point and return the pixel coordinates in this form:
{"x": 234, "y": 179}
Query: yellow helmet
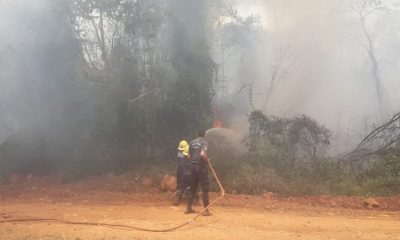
{"x": 186, "y": 150}
{"x": 182, "y": 145}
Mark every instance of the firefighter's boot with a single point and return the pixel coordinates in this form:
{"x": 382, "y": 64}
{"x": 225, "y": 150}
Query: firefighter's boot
{"x": 189, "y": 208}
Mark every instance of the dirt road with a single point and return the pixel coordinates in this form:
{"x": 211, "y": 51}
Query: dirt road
{"x": 118, "y": 200}
{"x": 226, "y": 223}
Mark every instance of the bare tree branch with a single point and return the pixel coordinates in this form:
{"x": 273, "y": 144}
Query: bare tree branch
{"x": 279, "y": 71}
{"x": 377, "y": 141}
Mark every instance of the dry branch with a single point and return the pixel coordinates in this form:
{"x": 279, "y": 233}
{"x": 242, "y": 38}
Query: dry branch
{"x": 377, "y": 142}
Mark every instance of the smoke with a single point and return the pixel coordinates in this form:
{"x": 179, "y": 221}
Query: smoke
{"x": 38, "y": 53}
{"x": 300, "y": 57}
{"x": 331, "y": 76}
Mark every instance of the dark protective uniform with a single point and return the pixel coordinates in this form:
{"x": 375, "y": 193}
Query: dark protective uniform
{"x": 183, "y": 175}
{"x": 199, "y": 170}
{"x": 179, "y": 175}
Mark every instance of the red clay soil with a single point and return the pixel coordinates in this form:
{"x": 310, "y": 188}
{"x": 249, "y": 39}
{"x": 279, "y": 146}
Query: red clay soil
{"x": 124, "y": 200}
{"x": 124, "y": 188}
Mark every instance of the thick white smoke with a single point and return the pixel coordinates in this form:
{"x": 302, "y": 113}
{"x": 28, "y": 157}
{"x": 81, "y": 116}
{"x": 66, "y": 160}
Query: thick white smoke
{"x": 331, "y": 79}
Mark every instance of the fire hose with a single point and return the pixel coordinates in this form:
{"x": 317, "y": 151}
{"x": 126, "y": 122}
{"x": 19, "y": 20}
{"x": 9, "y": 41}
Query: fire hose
{"x": 222, "y": 194}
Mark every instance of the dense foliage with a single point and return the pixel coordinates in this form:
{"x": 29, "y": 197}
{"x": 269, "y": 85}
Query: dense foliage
{"x": 289, "y": 156}
{"x": 114, "y": 85}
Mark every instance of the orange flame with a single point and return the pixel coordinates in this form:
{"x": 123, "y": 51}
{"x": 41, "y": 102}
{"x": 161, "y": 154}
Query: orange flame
{"x": 217, "y": 121}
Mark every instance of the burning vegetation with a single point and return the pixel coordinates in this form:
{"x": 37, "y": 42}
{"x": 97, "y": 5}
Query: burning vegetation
{"x": 90, "y": 87}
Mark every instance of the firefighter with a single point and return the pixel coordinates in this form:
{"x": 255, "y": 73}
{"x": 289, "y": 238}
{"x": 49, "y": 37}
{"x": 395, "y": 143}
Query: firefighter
{"x": 182, "y": 158}
{"x": 199, "y": 161}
